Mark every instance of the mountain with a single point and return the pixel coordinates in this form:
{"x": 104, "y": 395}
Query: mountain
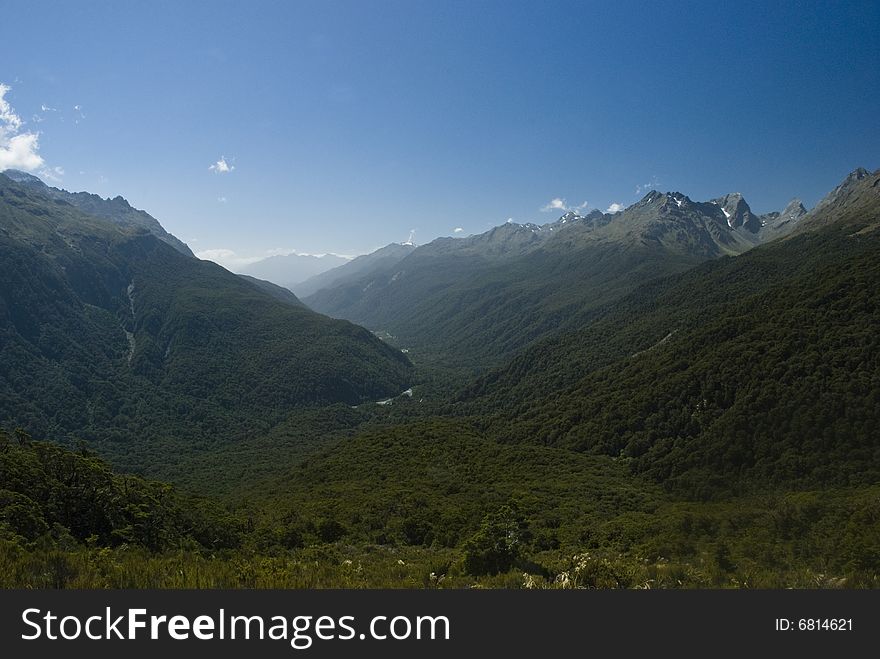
{"x": 111, "y": 335}
{"x": 290, "y": 270}
{"x": 116, "y": 210}
{"x": 854, "y": 201}
{"x": 777, "y": 224}
{"x": 737, "y": 212}
{"x": 357, "y": 268}
{"x": 278, "y": 292}
{"x": 477, "y": 300}
{"x": 741, "y": 374}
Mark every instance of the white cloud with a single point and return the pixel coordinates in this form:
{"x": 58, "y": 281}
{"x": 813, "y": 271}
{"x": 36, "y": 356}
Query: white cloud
{"x": 614, "y": 208}
{"x": 9, "y": 121}
{"x": 53, "y": 174}
{"x": 222, "y": 200}
{"x": 650, "y": 185}
{"x": 559, "y": 204}
{"x": 228, "y": 258}
{"x": 510, "y": 220}
{"x": 232, "y": 260}
{"x": 280, "y": 251}
{"x": 556, "y": 204}
{"x": 18, "y": 150}
{"x": 457, "y": 230}
{"x": 222, "y": 166}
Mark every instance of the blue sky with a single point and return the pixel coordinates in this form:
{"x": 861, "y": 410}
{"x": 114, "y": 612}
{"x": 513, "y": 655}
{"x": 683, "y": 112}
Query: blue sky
{"x": 344, "y": 125}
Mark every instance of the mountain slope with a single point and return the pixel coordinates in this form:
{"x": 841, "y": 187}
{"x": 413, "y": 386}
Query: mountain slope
{"x": 854, "y": 201}
{"x": 278, "y": 292}
{"x": 351, "y": 271}
{"x": 111, "y": 335}
{"x": 116, "y": 210}
{"x": 477, "y": 300}
{"x": 740, "y": 374}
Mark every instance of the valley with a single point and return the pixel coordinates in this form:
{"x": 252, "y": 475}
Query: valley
{"x": 675, "y": 394}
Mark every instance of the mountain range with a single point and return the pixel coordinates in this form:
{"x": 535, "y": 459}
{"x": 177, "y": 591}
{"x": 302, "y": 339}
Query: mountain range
{"x": 478, "y": 300}
{"x": 289, "y": 270}
{"x": 678, "y": 394}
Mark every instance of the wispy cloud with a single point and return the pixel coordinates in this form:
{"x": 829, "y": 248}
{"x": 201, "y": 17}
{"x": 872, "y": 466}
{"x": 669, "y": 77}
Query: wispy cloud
{"x": 18, "y": 150}
{"x": 39, "y": 118}
{"x": 78, "y": 115}
{"x": 650, "y": 185}
{"x": 222, "y": 200}
{"x": 614, "y": 208}
{"x": 228, "y": 258}
{"x": 280, "y": 251}
{"x": 559, "y": 204}
{"x": 222, "y": 166}
{"x": 457, "y": 230}
{"x": 53, "y": 174}
{"x": 232, "y": 260}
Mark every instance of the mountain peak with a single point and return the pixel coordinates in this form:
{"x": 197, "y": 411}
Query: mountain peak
{"x": 678, "y": 198}
{"x": 649, "y": 198}
{"x": 737, "y": 212}
{"x": 22, "y": 177}
{"x": 849, "y": 201}
{"x": 857, "y": 174}
{"x": 845, "y": 188}
{"x": 794, "y": 211}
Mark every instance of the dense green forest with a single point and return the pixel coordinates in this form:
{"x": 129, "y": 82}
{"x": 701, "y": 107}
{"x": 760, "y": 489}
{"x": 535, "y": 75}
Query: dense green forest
{"x": 745, "y": 373}
{"x": 111, "y": 336}
{"x": 711, "y": 428}
{"x": 421, "y": 515}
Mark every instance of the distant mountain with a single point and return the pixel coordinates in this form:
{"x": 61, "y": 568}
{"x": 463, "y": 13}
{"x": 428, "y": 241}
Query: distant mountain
{"x": 777, "y": 224}
{"x": 292, "y": 269}
{"x": 738, "y": 375}
{"x": 477, "y": 300}
{"x": 351, "y": 271}
{"x": 110, "y": 335}
{"x": 116, "y": 210}
{"x": 737, "y": 212}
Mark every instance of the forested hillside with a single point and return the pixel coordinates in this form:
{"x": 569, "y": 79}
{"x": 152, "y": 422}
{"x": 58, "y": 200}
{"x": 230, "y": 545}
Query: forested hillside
{"x": 710, "y": 428}
{"x": 476, "y": 301}
{"x": 111, "y": 336}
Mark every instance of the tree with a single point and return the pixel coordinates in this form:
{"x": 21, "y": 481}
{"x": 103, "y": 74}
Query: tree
{"x": 495, "y": 547}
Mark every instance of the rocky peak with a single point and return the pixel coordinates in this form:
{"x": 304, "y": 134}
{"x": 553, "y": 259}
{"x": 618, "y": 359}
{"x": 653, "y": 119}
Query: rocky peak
{"x": 845, "y": 187}
{"x": 22, "y": 177}
{"x": 737, "y": 212}
{"x": 793, "y": 212}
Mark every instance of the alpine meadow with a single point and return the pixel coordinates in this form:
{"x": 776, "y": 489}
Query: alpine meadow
{"x": 451, "y": 382}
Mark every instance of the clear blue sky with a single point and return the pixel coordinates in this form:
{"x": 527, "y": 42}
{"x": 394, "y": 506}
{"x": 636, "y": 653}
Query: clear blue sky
{"x": 348, "y": 124}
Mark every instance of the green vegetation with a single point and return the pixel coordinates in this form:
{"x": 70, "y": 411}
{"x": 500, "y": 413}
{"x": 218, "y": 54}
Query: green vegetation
{"x": 743, "y": 374}
{"x": 714, "y": 428}
{"x": 67, "y": 521}
{"x": 481, "y": 299}
{"x": 112, "y": 337}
